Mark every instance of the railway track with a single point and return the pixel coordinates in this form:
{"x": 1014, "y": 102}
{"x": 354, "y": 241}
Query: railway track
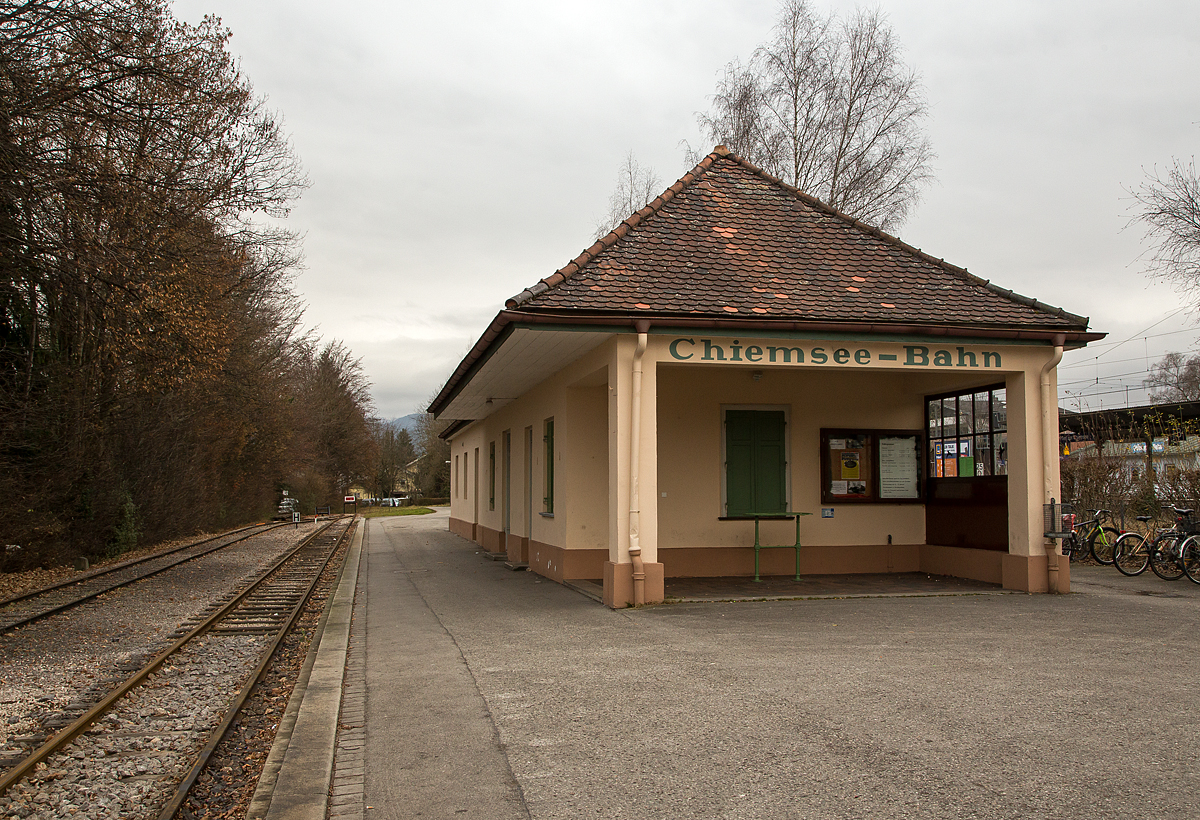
{"x": 137, "y": 750}
{"x": 34, "y": 605}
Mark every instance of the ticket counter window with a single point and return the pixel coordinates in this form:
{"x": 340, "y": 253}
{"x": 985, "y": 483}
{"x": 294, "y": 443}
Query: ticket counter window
{"x": 968, "y": 434}
{"x": 755, "y": 462}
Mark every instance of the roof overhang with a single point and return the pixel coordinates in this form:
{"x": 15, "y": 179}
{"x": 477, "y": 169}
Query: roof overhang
{"x": 521, "y": 349}
{"x": 518, "y": 359}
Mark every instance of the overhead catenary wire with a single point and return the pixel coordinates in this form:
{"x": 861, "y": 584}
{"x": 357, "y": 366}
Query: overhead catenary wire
{"x": 1107, "y": 377}
{"x": 1082, "y": 395}
{"x": 1077, "y": 389}
{"x": 1115, "y": 344}
{"x": 1091, "y": 363}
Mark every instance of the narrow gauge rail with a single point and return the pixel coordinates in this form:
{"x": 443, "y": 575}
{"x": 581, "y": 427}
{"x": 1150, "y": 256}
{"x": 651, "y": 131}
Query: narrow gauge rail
{"x": 31, "y": 606}
{"x": 250, "y": 626}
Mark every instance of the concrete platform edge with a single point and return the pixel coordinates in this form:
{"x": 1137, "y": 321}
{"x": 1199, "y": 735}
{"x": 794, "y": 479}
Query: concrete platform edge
{"x": 294, "y": 784}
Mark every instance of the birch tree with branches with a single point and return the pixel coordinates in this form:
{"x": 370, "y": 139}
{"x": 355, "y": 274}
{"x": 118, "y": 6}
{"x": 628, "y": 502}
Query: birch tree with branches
{"x": 828, "y": 105}
{"x": 636, "y": 187}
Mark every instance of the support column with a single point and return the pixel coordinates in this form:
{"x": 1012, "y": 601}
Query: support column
{"x": 1023, "y": 569}
{"x": 1026, "y": 565}
{"x": 619, "y": 569}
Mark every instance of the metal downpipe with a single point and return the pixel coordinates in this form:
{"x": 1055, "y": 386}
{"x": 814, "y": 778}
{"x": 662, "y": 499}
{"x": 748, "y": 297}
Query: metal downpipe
{"x": 635, "y": 450}
{"x": 1050, "y": 456}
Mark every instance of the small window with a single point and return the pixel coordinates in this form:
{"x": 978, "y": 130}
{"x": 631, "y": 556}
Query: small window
{"x": 548, "y": 480}
{"x": 492, "y": 476}
{"x": 755, "y": 462}
{"x": 968, "y": 433}
{"x": 456, "y": 476}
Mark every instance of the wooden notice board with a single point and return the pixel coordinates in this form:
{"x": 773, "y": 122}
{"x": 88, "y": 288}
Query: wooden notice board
{"x": 866, "y": 466}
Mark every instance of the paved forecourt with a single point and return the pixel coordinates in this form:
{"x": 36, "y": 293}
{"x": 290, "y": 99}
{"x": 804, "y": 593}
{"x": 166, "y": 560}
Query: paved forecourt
{"x": 498, "y": 694}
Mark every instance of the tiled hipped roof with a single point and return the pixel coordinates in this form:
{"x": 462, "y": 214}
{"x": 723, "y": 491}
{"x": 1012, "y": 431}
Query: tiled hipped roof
{"x": 730, "y": 241}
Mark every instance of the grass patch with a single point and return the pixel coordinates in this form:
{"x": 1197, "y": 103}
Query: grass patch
{"x": 380, "y": 512}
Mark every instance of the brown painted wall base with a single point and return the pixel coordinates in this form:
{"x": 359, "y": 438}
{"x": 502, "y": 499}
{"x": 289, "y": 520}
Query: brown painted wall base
{"x": 490, "y": 539}
{"x": 618, "y": 584}
{"x": 977, "y": 564}
{"x": 1019, "y": 572}
{"x": 716, "y": 562}
{"x": 560, "y": 564}
{"x": 1064, "y": 575}
{"x": 464, "y": 529}
{"x": 518, "y": 549}
{"x": 1028, "y": 573}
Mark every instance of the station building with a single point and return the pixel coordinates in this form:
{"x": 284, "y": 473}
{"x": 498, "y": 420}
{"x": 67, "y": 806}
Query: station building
{"x": 737, "y": 353}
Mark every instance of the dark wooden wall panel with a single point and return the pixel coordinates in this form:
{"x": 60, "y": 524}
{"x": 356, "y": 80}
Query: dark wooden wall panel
{"x": 967, "y": 512}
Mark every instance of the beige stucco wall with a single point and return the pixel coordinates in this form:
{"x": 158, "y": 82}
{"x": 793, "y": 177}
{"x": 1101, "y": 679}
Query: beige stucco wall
{"x": 576, "y": 398}
{"x": 689, "y": 452}
{"x": 687, "y": 379}
{"x": 839, "y": 383}
{"x": 584, "y": 461}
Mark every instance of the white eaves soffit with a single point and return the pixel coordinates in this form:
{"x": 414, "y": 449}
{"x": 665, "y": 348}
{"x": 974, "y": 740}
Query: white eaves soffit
{"x": 523, "y": 360}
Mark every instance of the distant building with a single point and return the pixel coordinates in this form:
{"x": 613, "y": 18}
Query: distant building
{"x": 1158, "y": 438}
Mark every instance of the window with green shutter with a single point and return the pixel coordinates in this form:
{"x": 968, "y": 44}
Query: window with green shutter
{"x": 755, "y": 462}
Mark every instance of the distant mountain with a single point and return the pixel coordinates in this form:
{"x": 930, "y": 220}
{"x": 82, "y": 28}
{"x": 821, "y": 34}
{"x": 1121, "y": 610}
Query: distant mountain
{"x": 408, "y": 422}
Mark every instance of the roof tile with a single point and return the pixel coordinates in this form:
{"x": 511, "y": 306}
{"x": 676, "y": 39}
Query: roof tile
{"x": 711, "y": 241}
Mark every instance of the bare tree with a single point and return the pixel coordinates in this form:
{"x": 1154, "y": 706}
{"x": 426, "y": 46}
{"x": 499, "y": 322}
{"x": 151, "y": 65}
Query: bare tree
{"x": 828, "y": 106}
{"x": 1175, "y": 377}
{"x": 393, "y": 452}
{"x": 433, "y": 471}
{"x": 147, "y": 316}
{"x": 332, "y": 415}
{"x": 636, "y": 188}
{"x": 1169, "y": 208}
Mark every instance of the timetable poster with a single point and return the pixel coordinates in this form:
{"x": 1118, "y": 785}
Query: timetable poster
{"x": 899, "y": 468}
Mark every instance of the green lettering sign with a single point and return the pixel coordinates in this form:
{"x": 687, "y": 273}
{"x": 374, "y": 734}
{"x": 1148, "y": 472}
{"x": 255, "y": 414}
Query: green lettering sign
{"x": 674, "y": 348}
{"x": 709, "y": 349}
{"x": 787, "y": 354}
{"x": 916, "y": 355}
{"x": 683, "y": 349}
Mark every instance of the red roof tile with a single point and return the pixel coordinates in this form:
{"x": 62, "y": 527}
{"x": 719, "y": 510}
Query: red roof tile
{"x": 727, "y": 235}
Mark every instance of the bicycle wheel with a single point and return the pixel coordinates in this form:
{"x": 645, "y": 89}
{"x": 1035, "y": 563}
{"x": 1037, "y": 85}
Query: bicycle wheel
{"x": 1164, "y": 558}
{"x": 1101, "y": 544}
{"x": 1072, "y": 547}
{"x": 1130, "y": 556}
{"x": 1191, "y": 559}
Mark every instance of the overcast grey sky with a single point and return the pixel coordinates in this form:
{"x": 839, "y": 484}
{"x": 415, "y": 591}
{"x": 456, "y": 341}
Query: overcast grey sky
{"x": 460, "y": 151}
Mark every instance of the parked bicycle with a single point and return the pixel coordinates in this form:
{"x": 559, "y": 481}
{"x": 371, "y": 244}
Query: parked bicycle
{"x": 1191, "y": 558}
{"x": 1091, "y": 538}
{"x": 1164, "y": 553}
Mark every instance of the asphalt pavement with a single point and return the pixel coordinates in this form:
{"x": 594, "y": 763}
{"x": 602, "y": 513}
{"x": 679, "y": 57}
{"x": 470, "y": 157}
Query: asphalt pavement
{"x": 499, "y": 694}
